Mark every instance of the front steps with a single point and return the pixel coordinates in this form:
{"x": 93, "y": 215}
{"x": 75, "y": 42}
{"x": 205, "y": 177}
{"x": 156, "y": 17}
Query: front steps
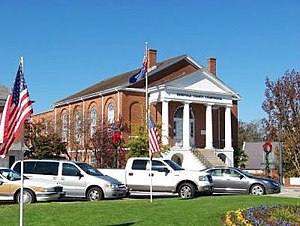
{"x": 194, "y": 159}
{"x": 207, "y": 157}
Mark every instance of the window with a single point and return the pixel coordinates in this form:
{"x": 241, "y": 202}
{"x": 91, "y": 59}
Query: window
{"x": 77, "y": 127}
{"x": 70, "y": 170}
{"x": 46, "y": 127}
{"x": 37, "y": 167}
{"x": 89, "y": 169}
{"x": 93, "y": 115}
{"x": 139, "y": 164}
{"x": 64, "y": 135}
{"x": 157, "y": 165}
{"x": 111, "y": 113}
{"x": 231, "y": 173}
{"x": 215, "y": 172}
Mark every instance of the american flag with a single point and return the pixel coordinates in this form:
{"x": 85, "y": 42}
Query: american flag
{"x": 153, "y": 138}
{"x": 16, "y": 110}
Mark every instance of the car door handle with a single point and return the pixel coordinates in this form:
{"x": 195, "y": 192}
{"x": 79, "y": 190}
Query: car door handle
{"x": 54, "y": 178}
{"x": 62, "y": 178}
{"x": 130, "y": 174}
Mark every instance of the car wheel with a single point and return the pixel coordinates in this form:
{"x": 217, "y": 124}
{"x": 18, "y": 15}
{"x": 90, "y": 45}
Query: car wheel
{"x": 186, "y": 190}
{"x": 28, "y": 197}
{"x": 257, "y": 189}
{"x": 94, "y": 194}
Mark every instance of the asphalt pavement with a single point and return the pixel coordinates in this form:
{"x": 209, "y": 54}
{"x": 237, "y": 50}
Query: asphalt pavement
{"x": 293, "y": 192}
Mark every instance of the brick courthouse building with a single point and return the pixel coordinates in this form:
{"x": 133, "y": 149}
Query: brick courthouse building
{"x": 198, "y": 112}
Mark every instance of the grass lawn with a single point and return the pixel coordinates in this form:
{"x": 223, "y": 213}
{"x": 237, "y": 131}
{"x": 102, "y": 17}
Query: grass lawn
{"x": 165, "y": 211}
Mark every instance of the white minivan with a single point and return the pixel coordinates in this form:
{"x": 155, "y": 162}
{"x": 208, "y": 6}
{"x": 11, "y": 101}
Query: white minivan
{"x": 78, "y": 179}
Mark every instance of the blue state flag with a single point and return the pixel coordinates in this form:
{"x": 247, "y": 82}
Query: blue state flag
{"x": 138, "y": 76}
{"x": 141, "y": 74}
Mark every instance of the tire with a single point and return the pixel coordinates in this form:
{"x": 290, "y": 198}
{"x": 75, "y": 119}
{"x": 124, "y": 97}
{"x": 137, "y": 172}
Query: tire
{"x": 186, "y": 191}
{"x": 28, "y": 197}
{"x": 94, "y": 194}
{"x": 257, "y": 189}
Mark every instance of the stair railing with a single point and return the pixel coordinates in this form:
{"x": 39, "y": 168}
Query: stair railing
{"x": 202, "y": 158}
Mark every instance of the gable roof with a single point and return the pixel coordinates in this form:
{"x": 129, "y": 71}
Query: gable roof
{"x": 202, "y": 80}
{"x": 256, "y": 155}
{"x": 4, "y": 91}
{"x": 120, "y": 80}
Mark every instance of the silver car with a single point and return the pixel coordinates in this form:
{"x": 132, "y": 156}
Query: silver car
{"x": 34, "y": 190}
{"x": 237, "y": 181}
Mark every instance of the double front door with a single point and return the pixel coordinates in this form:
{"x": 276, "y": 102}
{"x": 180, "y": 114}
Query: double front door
{"x": 178, "y": 132}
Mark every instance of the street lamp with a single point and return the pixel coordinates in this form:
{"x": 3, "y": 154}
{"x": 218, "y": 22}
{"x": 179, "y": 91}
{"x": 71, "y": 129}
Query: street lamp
{"x": 268, "y": 149}
{"x": 116, "y": 140}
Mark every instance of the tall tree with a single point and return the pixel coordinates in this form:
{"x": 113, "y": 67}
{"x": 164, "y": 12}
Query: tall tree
{"x": 282, "y": 105}
{"x": 43, "y": 142}
{"x": 107, "y": 154}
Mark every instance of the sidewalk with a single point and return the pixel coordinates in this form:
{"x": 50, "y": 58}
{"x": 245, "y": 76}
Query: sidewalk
{"x": 293, "y": 192}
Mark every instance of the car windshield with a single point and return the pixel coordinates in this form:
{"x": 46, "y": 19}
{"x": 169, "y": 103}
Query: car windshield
{"x": 10, "y": 174}
{"x": 173, "y": 165}
{"x": 89, "y": 169}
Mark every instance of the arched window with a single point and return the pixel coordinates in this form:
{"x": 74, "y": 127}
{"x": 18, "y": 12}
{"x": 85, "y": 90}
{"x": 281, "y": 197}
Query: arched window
{"x": 93, "y": 115}
{"x": 64, "y": 134}
{"x": 77, "y": 127}
{"x": 111, "y": 113}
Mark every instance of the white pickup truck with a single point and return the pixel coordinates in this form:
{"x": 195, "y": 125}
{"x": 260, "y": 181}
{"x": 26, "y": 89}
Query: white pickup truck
{"x": 167, "y": 176}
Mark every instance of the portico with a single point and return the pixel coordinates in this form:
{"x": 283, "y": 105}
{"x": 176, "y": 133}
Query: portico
{"x": 192, "y": 124}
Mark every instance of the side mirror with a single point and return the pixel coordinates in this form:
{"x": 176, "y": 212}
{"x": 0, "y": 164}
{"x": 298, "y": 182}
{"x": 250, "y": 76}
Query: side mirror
{"x": 241, "y": 177}
{"x": 79, "y": 174}
{"x": 1, "y": 182}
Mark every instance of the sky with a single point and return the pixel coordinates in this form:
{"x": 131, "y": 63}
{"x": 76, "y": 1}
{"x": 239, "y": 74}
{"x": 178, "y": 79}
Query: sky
{"x": 69, "y": 45}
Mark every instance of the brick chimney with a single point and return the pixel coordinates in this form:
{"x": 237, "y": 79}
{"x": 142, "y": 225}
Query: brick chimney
{"x": 212, "y": 65}
{"x": 152, "y": 56}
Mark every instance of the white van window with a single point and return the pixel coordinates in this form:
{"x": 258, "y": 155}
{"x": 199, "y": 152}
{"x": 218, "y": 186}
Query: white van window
{"x": 89, "y": 169}
{"x": 70, "y": 170}
{"x": 38, "y": 167}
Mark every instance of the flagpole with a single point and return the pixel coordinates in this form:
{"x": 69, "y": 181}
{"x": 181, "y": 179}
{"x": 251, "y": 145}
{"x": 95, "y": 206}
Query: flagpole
{"x": 22, "y": 165}
{"x": 147, "y": 117}
{"x": 22, "y": 178}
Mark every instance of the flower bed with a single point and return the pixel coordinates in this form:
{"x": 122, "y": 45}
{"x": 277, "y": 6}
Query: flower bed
{"x": 286, "y": 215}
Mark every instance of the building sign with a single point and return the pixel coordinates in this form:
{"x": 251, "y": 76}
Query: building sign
{"x": 198, "y": 96}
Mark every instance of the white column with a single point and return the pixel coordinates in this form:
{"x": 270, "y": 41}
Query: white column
{"x": 209, "y": 132}
{"x": 186, "y": 126}
{"x": 228, "y": 139}
{"x": 165, "y": 122}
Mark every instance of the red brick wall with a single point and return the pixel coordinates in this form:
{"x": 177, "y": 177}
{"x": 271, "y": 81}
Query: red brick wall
{"x": 199, "y": 111}
{"x": 234, "y": 122}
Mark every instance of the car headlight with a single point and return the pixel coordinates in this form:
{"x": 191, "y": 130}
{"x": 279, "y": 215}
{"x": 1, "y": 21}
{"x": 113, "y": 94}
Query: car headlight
{"x": 110, "y": 186}
{"x": 275, "y": 183}
{"x": 203, "y": 178}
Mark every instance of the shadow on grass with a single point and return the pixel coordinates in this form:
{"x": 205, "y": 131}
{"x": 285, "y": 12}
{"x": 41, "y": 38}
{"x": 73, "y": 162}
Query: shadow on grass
{"x": 125, "y": 224}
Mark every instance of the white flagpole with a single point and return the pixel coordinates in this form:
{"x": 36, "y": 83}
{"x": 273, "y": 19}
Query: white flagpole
{"x": 22, "y": 166}
{"x": 147, "y": 117}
